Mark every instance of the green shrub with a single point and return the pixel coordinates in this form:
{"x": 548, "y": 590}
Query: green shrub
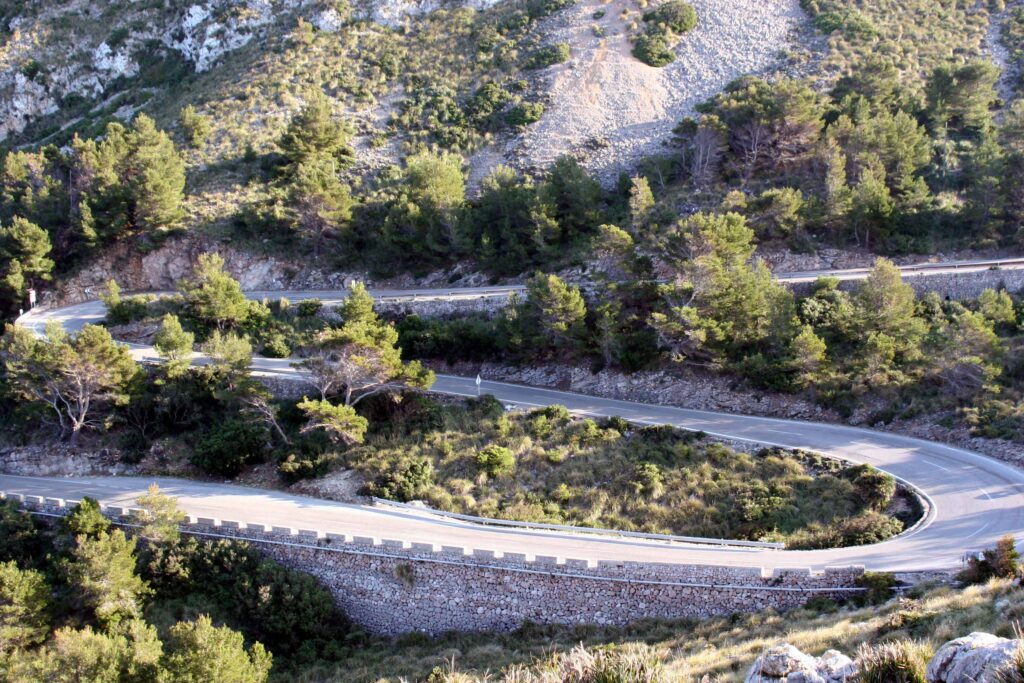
{"x": 197, "y": 127}
{"x": 1003, "y": 561}
{"x": 21, "y": 536}
{"x": 653, "y": 49}
{"x": 496, "y": 461}
{"x": 548, "y": 55}
{"x": 537, "y": 9}
{"x": 899, "y": 661}
{"x": 230, "y": 446}
{"x": 276, "y": 346}
{"x": 485, "y": 105}
{"x": 678, "y": 16}
{"x": 852, "y": 24}
{"x": 309, "y": 307}
{"x": 524, "y": 114}
{"x": 879, "y": 587}
{"x": 647, "y": 480}
{"x": 298, "y": 467}
{"x": 129, "y": 310}
{"x": 868, "y": 527}
{"x": 236, "y": 584}
{"x": 619, "y": 424}
{"x": 404, "y": 483}
{"x": 876, "y": 488}
{"x": 560, "y": 415}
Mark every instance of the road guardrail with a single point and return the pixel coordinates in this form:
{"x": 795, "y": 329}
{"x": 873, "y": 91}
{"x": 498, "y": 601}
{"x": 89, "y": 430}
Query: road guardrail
{"x": 490, "y": 521}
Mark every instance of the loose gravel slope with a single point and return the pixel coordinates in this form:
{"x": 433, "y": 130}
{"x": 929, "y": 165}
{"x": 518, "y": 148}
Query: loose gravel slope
{"x": 604, "y": 95}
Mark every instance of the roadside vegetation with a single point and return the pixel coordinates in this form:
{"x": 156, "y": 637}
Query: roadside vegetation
{"x": 875, "y": 350}
{"x": 360, "y": 411}
{"x": 544, "y": 466}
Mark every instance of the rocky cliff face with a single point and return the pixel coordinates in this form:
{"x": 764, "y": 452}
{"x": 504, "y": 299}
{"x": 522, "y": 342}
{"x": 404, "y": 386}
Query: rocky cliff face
{"x": 162, "y": 268}
{"x": 101, "y": 42}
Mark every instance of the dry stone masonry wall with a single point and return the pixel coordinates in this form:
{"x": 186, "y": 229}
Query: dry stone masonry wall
{"x": 955, "y": 286}
{"x": 396, "y": 586}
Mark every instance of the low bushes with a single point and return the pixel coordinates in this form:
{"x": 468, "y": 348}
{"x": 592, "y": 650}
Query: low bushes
{"x": 548, "y": 55}
{"x": 1001, "y": 562}
{"x": 496, "y": 461}
{"x": 230, "y": 446}
{"x": 663, "y": 27}
{"x": 545, "y": 466}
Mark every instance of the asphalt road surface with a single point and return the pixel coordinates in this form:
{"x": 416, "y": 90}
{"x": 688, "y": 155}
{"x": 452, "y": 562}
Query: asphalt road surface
{"x": 972, "y": 499}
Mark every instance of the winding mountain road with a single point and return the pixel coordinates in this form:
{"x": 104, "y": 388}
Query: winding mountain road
{"x": 972, "y": 499}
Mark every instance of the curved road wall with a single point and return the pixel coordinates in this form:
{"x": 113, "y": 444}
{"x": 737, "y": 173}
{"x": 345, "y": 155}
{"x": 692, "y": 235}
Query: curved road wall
{"x": 955, "y": 286}
{"x": 394, "y": 586}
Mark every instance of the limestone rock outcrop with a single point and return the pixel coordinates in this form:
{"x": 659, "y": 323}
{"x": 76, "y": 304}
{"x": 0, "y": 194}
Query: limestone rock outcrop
{"x": 975, "y": 658}
{"x": 786, "y": 664}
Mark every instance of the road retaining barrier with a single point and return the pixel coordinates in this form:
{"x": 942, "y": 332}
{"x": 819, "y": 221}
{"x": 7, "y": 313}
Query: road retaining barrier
{"x": 395, "y": 586}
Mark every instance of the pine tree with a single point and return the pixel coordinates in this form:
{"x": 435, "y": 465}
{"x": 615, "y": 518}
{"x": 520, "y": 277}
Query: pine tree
{"x": 321, "y": 203}
{"x": 641, "y": 201}
{"x": 358, "y": 305}
{"x": 341, "y": 423}
{"x": 554, "y": 312}
{"x": 155, "y": 176}
{"x": 133, "y": 180}
{"x": 174, "y": 345}
{"x": 102, "y": 571}
{"x": 160, "y": 516}
{"x": 506, "y": 230}
{"x": 24, "y": 608}
{"x": 887, "y": 306}
{"x": 314, "y": 132}
{"x": 79, "y": 378}
{"x": 436, "y": 183}
{"x": 871, "y": 204}
{"x": 573, "y": 199}
{"x": 212, "y": 295}
{"x": 25, "y": 258}
{"x": 198, "y": 652}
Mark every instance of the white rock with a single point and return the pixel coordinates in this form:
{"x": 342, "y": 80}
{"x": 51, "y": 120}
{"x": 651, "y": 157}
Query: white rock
{"x": 787, "y": 664}
{"x": 835, "y": 667}
{"x": 113, "y": 64}
{"x": 328, "y": 20}
{"x": 779, "y": 662}
{"x": 973, "y": 658}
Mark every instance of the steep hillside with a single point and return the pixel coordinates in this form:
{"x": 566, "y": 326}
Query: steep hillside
{"x": 398, "y": 69}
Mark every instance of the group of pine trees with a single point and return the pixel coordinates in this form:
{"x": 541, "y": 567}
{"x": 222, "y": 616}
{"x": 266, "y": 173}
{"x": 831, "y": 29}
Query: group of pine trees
{"x": 720, "y": 310}
{"x": 58, "y": 207}
{"x": 83, "y": 600}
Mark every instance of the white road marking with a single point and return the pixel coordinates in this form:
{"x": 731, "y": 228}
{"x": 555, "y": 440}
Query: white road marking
{"x": 978, "y": 531}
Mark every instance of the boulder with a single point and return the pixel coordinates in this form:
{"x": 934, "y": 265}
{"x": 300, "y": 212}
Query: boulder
{"x": 787, "y": 664}
{"x": 971, "y": 659}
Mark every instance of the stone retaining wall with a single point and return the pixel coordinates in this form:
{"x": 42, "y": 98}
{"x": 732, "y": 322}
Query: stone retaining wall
{"x": 395, "y": 586}
{"x": 956, "y": 286}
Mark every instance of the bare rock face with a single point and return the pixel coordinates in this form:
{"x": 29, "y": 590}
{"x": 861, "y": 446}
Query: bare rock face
{"x": 974, "y": 658}
{"x": 208, "y": 31}
{"x": 787, "y": 664}
{"x": 22, "y": 100}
